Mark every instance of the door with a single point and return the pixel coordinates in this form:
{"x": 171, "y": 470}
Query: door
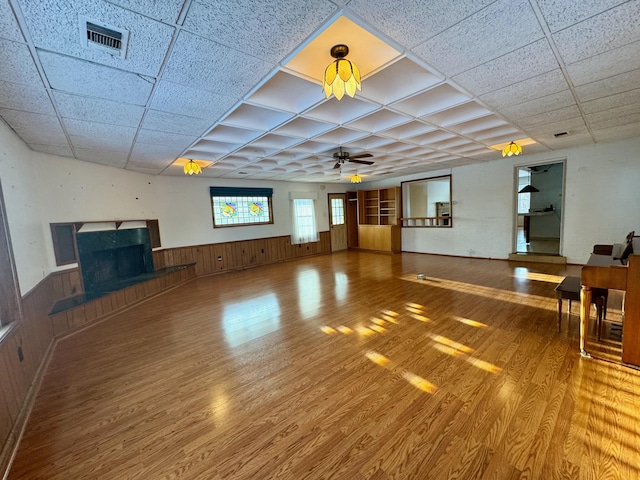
{"x": 337, "y": 221}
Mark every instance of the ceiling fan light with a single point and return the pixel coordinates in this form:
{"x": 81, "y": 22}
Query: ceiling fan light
{"x": 356, "y": 178}
{"x": 191, "y": 168}
{"x": 512, "y": 149}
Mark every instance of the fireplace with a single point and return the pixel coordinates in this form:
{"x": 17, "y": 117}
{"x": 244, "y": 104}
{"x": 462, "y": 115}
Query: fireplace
{"x": 113, "y": 259}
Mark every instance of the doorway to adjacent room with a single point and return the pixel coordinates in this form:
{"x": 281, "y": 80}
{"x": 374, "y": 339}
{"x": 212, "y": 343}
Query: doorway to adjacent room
{"x": 539, "y": 209}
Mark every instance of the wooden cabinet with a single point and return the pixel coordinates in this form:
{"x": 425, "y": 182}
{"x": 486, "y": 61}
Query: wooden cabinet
{"x": 379, "y": 213}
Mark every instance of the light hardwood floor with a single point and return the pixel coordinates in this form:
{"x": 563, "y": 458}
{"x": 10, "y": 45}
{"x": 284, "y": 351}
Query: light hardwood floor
{"x": 343, "y": 366}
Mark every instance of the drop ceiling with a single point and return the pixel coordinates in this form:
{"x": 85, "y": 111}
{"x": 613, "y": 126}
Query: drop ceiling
{"x": 237, "y": 82}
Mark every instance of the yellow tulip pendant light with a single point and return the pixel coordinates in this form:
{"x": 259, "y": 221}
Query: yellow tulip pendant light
{"x": 512, "y": 149}
{"x": 356, "y": 178}
{"x": 192, "y": 167}
{"x": 341, "y": 76}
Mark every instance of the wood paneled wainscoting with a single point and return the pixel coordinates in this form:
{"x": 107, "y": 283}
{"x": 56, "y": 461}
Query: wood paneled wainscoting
{"x": 24, "y": 352}
{"x": 220, "y": 257}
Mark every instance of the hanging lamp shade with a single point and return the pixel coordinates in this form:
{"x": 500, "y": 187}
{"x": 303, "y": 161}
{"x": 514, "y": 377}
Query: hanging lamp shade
{"x": 191, "y": 168}
{"x": 341, "y": 76}
{"x": 528, "y": 189}
{"x": 512, "y": 149}
{"x": 356, "y": 178}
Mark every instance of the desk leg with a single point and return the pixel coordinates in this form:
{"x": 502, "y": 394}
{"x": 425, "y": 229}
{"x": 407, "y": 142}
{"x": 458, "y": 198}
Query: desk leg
{"x": 585, "y": 303}
{"x": 559, "y": 314}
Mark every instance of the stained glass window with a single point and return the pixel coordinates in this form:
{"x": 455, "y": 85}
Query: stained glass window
{"x": 233, "y": 206}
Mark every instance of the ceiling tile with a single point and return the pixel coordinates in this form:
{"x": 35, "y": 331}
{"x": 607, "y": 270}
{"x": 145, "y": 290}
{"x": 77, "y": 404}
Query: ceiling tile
{"x": 549, "y": 117}
{"x": 288, "y": 93}
{"x": 411, "y": 129}
{"x": 270, "y": 29}
{"x": 164, "y": 138}
{"x": 17, "y": 64}
{"x": 231, "y": 135}
{"x": 477, "y": 125}
{"x": 615, "y": 133}
{"x": 593, "y": 36}
{"x": 464, "y": 45}
{"x": 192, "y": 102}
{"x": 172, "y": 123}
{"x": 609, "y": 86}
{"x": 257, "y": 118}
{"x": 99, "y": 130}
{"x": 35, "y": 128}
{"x": 431, "y": 101}
{"x": 483, "y": 135}
{"x": 60, "y": 32}
{"x": 608, "y": 64}
{"x": 615, "y": 117}
{"x": 339, "y": 136}
{"x": 461, "y": 113}
{"x": 414, "y": 79}
{"x": 431, "y": 137}
{"x": 547, "y": 130}
{"x": 370, "y": 142}
{"x": 152, "y": 155}
{"x": 527, "y": 90}
{"x": 101, "y": 143}
{"x": 28, "y": 98}
{"x": 200, "y": 63}
{"x": 380, "y": 120}
{"x": 9, "y": 28}
{"x": 278, "y": 142}
{"x": 217, "y": 148}
{"x": 340, "y": 112}
{"x": 166, "y": 11}
{"x": 60, "y": 150}
{"x": 98, "y": 110}
{"x": 303, "y": 127}
{"x": 405, "y": 23}
{"x": 103, "y": 156}
{"x": 540, "y": 105}
{"x": 560, "y": 14}
{"x": 84, "y": 78}
{"x": 613, "y": 101}
{"x": 507, "y": 70}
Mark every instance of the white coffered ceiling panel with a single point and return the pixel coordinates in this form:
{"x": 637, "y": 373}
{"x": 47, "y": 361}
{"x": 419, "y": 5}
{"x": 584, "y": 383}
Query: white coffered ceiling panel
{"x": 237, "y": 83}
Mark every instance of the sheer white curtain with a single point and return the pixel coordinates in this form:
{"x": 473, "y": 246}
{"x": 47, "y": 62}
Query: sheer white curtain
{"x": 303, "y": 217}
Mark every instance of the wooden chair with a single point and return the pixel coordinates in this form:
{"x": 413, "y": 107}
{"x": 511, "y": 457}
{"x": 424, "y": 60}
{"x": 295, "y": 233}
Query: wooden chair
{"x": 569, "y": 289}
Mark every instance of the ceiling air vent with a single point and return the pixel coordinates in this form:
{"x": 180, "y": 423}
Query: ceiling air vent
{"x": 107, "y": 38}
{"x": 560, "y": 134}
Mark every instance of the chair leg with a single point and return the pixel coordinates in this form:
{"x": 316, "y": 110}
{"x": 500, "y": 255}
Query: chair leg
{"x": 559, "y": 314}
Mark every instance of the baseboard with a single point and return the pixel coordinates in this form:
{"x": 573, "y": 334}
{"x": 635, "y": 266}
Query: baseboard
{"x": 538, "y": 258}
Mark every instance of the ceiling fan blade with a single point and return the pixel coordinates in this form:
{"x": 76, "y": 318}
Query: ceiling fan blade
{"x": 337, "y": 165}
{"x": 361, "y": 155}
{"x": 363, "y": 162}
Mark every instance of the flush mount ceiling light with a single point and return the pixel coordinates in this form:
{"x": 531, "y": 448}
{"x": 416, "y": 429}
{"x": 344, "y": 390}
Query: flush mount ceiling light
{"x": 512, "y": 149}
{"x": 191, "y": 168}
{"x": 341, "y": 76}
{"x": 356, "y": 178}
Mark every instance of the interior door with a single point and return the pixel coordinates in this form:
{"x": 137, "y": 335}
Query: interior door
{"x": 337, "y": 221}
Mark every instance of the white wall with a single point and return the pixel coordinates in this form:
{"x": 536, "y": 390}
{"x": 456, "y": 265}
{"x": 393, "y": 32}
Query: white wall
{"x": 601, "y": 204}
{"x": 41, "y": 189}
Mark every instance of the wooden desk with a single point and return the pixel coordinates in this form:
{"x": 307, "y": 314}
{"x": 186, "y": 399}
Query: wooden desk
{"x": 602, "y": 273}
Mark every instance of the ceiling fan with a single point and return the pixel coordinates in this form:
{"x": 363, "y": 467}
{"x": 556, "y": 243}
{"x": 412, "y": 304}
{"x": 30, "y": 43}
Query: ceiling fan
{"x": 341, "y": 156}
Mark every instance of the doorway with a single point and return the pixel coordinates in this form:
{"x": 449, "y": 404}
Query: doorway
{"x": 337, "y": 221}
{"x": 539, "y": 207}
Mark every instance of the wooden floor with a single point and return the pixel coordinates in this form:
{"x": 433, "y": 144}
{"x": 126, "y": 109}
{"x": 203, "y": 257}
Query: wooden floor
{"x": 344, "y": 366}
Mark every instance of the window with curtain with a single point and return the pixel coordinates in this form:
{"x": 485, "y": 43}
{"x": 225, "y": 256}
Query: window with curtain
{"x": 305, "y": 229}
